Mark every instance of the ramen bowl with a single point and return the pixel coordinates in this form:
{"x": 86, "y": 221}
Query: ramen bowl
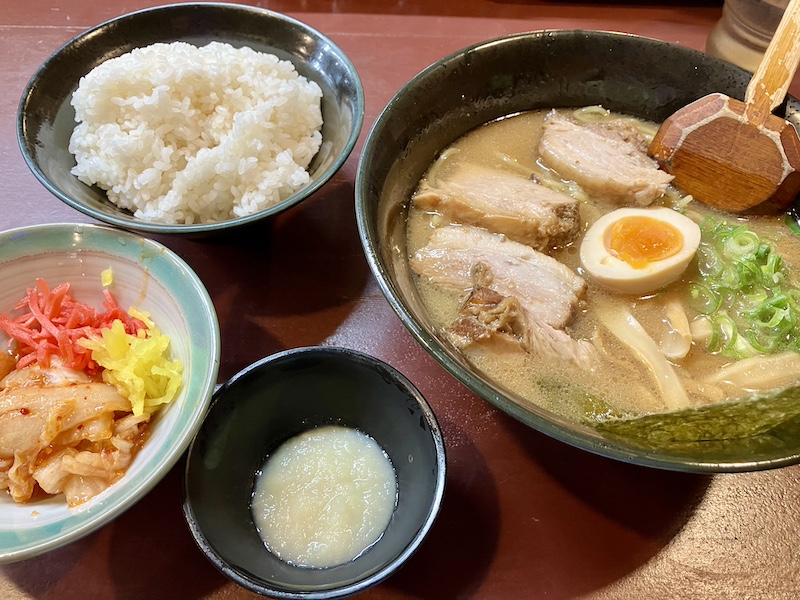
{"x": 549, "y": 69}
{"x": 146, "y": 275}
{"x": 46, "y": 118}
{"x": 276, "y": 399}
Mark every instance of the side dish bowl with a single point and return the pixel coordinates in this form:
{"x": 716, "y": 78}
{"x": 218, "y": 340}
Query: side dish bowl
{"x": 278, "y": 398}
{"x": 642, "y": 77}
{"x": 146, "y": 275}
{"x": 46, "y": 118}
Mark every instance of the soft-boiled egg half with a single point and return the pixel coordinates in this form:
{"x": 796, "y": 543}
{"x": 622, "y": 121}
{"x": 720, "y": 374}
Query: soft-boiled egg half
{"x": 639, "y": 250}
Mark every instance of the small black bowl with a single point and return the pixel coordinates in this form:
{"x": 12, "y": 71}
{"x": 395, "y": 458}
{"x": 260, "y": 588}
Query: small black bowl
{"x": 276, "y": 399}
{"x": 46, "y": 119}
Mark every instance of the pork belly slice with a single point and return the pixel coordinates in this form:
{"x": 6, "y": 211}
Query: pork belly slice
{"x": 603, "y": 160}
{"x": 489, "y": 319}
{"x": 548, "y": 342}
{"x": 503, "y": 202}
{"x": 545, "y": 288}
{"x": 498, "y": 325}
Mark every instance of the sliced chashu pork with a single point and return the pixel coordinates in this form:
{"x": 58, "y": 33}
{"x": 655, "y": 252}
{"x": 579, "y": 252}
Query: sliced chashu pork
{"x": 602, "y": 160}
{"x": 498, "y": 325}
{"x": 544, "y": 287}
{"x": 502, "y": 202}
{"x": 495, "y": 322}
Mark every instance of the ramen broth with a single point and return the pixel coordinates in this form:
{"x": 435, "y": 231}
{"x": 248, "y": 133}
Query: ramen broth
{"x": 621, "y": 384}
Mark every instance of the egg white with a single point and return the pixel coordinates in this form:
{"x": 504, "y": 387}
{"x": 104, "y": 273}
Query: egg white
{"x": 617, "y": 275}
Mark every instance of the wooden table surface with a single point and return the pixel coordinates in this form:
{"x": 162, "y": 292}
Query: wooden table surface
{"x": 524, "y": 516}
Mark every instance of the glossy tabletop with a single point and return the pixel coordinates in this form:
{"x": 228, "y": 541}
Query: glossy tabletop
{"x": 524, "y": 516}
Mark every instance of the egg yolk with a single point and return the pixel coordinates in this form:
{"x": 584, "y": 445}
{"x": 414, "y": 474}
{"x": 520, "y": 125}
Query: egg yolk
{"x": 640, "y": 240}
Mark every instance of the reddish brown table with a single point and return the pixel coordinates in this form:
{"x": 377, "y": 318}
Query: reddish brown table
{"x": 524, "y": 516}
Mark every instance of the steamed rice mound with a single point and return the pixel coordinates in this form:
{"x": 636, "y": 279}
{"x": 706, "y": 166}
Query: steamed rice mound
{"x": 180, "y": 134}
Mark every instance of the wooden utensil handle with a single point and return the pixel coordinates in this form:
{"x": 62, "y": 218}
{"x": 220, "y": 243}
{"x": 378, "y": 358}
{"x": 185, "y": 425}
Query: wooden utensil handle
{"x": 771, "y": 80}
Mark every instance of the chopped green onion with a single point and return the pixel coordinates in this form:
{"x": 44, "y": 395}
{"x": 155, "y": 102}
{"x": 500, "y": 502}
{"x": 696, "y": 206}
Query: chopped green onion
{"x": 704, "y": 300}
{"x": 708, "y": 261}
{"x": 741, "y": 243}
{"x": 791, "y": 220}
{"x": 763, "y": 343}
{"x": 729, "y": 277}
{"x": 752, "y": 300}
{"x": 748, "y": 273}
{"x": 733, "y": 344}
{"x": 727, "y": 330}
{"x": 772, "y": 270}
{"x": 742, "y": 290}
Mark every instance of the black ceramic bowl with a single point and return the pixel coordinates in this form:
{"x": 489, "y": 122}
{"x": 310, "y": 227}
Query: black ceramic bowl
{"x": 642, "y": 77}
{"x": 46, "y": 119}
{"x": 278, "y": 398}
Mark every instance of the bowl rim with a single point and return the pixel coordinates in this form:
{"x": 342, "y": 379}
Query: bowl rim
{"x": 131, "y": 223}
{"x": 93, "y": 518}
{"x": 390, "y": 567}
{"x": 554, "y": 426}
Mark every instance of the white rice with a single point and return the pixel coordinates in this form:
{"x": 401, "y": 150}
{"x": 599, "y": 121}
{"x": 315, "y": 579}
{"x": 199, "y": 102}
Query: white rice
{"x": 181, "y": 134}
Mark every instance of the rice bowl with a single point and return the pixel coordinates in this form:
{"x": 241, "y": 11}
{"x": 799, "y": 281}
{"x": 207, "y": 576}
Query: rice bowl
{"x": 46, "y": 117}
{"x": 177, "y": 133}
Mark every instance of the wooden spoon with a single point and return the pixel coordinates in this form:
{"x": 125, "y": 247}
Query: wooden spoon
{"x": 738, "y": 156}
